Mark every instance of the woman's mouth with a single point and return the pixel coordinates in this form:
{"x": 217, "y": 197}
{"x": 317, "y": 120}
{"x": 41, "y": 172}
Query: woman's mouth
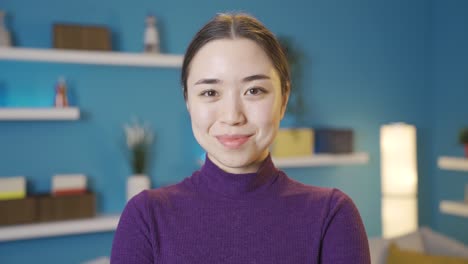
{"x": 233, "y": 141}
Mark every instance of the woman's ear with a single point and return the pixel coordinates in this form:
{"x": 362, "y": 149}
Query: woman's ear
{"x": 284, "y": 101}
{"x": 187, "y": 105}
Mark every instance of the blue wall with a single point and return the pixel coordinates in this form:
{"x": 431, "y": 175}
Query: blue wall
{"x": 366, "y": 64}
{"x": 449, "y": 82}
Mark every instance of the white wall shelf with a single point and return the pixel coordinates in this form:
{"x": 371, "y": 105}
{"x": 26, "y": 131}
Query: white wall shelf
{"x": 92, "y": 57}
{"x": 458, "y": 208}
{"x": 322, "y": 160}
{"x": 453, "y": 163}
{"x": 24, "y": 114}
{"x": 105, "y": 223}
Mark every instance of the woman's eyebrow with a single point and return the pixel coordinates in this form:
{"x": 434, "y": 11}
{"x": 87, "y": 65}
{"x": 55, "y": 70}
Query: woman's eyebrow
{"x": 246, "y": 79}
{"x": 255, "y": 77}
{"x": 208, "y": 81}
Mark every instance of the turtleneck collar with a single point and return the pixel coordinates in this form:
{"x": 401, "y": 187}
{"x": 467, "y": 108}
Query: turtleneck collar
{"x": 245, "y": 185}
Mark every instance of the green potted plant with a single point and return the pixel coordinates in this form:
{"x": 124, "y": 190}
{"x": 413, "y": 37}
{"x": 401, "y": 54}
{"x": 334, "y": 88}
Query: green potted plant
{"x": 463, "y": 139}
{"x": 139, "y": 140}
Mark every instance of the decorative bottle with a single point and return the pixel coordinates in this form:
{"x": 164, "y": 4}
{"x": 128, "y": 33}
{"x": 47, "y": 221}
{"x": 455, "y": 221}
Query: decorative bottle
{"x": 5, "y": 40}
{"x": 61, "y": 99}
{"x": 151, "y": 40}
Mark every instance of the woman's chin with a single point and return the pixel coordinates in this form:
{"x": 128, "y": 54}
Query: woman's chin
{"x": 238, "y": 162}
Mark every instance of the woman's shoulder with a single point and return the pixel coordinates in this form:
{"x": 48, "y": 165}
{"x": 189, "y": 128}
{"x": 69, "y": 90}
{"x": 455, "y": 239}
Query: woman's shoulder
{"x": 163, "y": 195}
{"x": 324, "y": 195}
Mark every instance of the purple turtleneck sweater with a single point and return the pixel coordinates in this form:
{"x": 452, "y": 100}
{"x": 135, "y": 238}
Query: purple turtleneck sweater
{"x": 218, "y": 217}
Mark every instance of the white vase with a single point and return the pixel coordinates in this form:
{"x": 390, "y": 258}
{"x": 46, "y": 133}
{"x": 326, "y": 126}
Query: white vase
{"x": 137, "y": 183}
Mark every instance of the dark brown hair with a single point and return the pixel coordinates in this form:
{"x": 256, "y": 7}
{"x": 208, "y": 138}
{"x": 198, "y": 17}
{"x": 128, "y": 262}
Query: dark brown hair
{"x": 233, "y": 26}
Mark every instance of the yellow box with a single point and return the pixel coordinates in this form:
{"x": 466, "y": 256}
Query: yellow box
{"x": 293, "y": 142}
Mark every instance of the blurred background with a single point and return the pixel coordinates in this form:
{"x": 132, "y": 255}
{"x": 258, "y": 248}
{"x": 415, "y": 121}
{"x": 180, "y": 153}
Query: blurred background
{"x": 365, "y": 63}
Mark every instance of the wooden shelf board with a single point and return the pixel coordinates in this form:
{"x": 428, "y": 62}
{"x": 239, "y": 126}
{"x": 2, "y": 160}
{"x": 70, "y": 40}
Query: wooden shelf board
{"x": 458, "y": 208}
{"x": 19, "y": 114}
{"x": 453, "y": 163}
{"x": 103, "y": 223}
{"x": 322, "y": 160}
{"x": 92, "y": 57}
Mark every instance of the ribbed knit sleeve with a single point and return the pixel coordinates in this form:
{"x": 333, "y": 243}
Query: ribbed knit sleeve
{"x": 344, "y": 238}
{"x": 133, "y": 242}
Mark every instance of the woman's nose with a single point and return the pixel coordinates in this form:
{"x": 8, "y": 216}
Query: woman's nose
{"x": 232, "y": 112}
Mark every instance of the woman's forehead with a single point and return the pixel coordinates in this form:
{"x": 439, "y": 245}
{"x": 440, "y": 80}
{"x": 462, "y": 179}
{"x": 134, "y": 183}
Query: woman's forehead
{"x": 233, "y": 58}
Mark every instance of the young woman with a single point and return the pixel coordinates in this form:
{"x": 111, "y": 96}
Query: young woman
{"x": 238, "y": 208}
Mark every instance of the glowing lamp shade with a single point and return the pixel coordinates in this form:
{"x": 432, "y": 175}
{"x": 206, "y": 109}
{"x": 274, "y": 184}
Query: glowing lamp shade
{"x": 399, "y": 179}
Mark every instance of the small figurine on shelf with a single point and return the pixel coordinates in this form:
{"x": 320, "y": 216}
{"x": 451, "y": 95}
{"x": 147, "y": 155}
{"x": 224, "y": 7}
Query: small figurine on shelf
{"x": 5, "y": 39}
{"x": 61, "y": 99}
{"x": 151, "y": 40}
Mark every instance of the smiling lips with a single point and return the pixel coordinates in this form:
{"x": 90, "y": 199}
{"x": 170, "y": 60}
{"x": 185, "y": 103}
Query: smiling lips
{"x": 233, "y": 141}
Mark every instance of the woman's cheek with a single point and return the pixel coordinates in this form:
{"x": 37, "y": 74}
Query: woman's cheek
{"x": 264, "y": 115}
{"x": 202, "y": 116}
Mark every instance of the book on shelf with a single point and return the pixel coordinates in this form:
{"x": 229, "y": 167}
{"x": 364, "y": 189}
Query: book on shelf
{"x": 12, "y": 187}
{"x": 67, "y": 184}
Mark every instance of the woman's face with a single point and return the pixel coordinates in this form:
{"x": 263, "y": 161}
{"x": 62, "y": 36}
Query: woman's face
{"x": 235, "y": 103}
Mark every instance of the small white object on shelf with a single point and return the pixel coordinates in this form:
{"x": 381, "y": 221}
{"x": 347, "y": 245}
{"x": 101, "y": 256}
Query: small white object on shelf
{"x": 92, "y": 57}
{"x": 151, "y": 40}
{"x": 458, "y": 208}
{"x": 453, "y": 163}
{"x": 5, "y": 37}
{"x": 24, "y": 114}
{"x": 97, "y": 224}
{"x": 322, "y": 160}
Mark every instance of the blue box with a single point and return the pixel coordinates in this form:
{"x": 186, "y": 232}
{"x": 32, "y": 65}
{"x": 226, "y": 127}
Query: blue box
{"x": 334, "y": 141}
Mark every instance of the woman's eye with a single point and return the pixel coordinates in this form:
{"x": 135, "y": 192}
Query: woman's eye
{"x": 255, "y": 91}
{"x": 209, "y": 93}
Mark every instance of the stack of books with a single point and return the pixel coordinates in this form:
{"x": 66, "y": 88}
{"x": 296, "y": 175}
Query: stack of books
{"x": 68, "y": 199}
{"x": 15, "y": 207}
